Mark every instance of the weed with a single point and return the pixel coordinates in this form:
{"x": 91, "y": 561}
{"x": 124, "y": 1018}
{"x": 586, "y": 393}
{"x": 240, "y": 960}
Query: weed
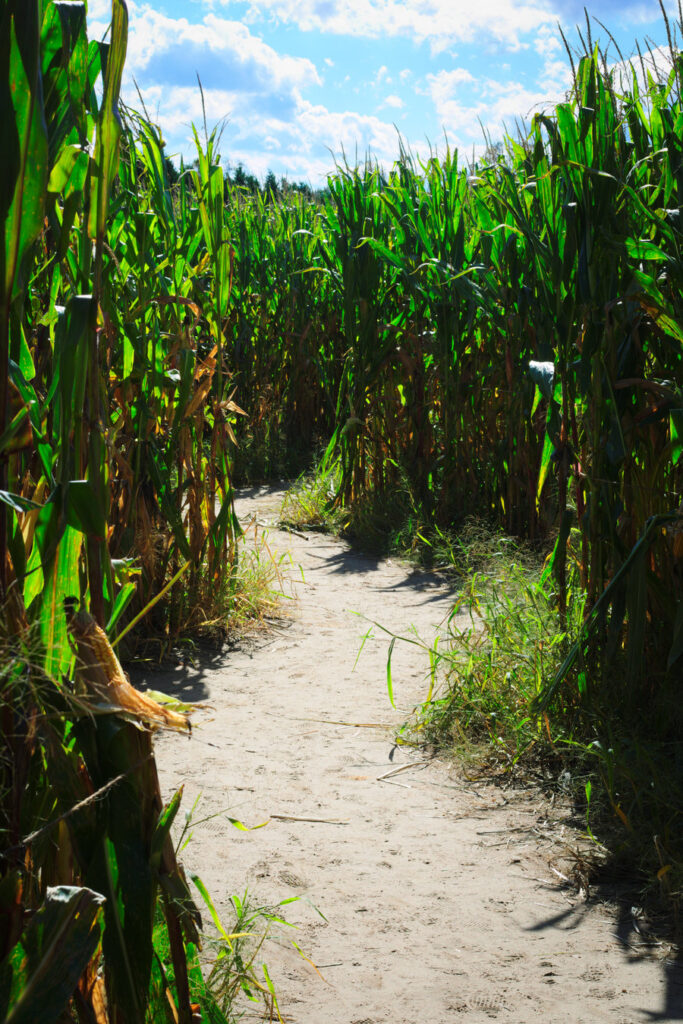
{"x": 621, "y": 774}
{"x": 309, "y": 503}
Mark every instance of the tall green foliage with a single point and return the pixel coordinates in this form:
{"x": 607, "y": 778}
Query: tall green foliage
{"x": 503, "y": 339}
{"x": 114, "y": 482}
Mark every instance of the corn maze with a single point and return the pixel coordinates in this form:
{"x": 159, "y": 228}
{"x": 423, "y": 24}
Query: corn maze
{"x": 503, "y": 339}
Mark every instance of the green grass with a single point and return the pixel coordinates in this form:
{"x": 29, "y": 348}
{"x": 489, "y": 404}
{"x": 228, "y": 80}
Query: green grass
{"x": 620, "y": 763}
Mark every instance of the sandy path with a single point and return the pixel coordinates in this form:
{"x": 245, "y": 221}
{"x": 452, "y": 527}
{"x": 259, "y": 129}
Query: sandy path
{"x": 439, "y": 900}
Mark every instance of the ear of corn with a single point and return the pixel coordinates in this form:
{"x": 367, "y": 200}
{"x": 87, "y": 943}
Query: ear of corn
{"x": 100, "y": 671}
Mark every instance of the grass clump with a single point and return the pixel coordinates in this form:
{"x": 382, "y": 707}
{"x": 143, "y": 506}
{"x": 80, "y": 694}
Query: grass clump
{"x": 395, "y": 524}
{"x": 252, "y": 597}
{"x": 234, "y": 971}
{"x": 217, "y": 609}
{"x": 503, "y": 641}
{"x": 618, "y": 760}
{"x": 309, "y": 504}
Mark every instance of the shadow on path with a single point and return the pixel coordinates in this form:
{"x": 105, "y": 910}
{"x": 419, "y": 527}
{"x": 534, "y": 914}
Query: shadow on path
{"x": 634, "y": 945}
{"x": 187, "y": 680}
{"x": 352, "y": 563}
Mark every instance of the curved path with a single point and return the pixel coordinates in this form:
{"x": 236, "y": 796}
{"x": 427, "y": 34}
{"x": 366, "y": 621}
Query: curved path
{"x": 439, "y": 896}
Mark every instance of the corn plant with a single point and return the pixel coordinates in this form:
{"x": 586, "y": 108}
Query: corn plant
{"x": 110, "y": 469}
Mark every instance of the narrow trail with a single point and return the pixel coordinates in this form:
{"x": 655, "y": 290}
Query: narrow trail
{"x": 439, "y": 900}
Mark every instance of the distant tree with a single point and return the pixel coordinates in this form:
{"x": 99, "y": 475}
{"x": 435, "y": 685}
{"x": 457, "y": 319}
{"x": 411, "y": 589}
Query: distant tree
{"x": 271, "y": 188}
{"x": 296, "y": 186}
{"x": 239, "y": 176}
{"x": 243, "y": 179}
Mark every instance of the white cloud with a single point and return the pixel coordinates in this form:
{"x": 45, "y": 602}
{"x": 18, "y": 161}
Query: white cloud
{"x": 470, "y": 108}
{"x": 348, "y": 130}
{"x": 441, "y": 22}
{"x": 555, "y": 79}
{"x": 303, "y": 146}
{"x": 247, "y": 84}
{"x": 443, "y": 84}
{"x": 100, "y": 11}
{"x": 547, "y": 42}
{"x": 381, "y": 76}
{"x": 214, "y": 48}
{"x": 656, "y": 61}
{"x": 262, "y": 93}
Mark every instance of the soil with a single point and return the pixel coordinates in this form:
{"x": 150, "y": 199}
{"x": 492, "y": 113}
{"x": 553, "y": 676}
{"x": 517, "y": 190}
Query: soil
{"x": 440, "y": 895}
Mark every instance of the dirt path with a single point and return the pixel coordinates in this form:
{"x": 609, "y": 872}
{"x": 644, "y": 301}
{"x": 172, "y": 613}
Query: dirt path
{"x": 440, "y": 903}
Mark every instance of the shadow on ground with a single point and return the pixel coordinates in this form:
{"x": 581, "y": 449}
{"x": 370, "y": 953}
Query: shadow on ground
{"x": 186, "y": 680}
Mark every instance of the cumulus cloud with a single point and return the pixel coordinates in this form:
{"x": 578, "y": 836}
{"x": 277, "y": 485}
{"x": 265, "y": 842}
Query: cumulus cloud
{"x": 444, "y": 84}
{"x": 99, "y": 10}
{"x": 469, "y": 108}
{"x": 257, "y": 92}
{"x": 347, "y": 130}
{"x": 547, "y": 42}
{"x": 274, "y": 116}
{"x": 245, "y": 81}
{"x": 225, "y": 54}
{"x": 440, "y": 22}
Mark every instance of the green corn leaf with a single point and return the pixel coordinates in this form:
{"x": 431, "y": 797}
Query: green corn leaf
{"x": 43, "y": 969}
{"x": 390, "y": 685}
{"x": 17, "y": 502}
{"x": 676, "y": 427}
{"x": 123, "y": 599}
{"x": 225, "y": 525}
{"x": 163, "y": 828}
{"x": 61, "y": 580}
{"x": 64, "y": 51}
{"x": 23, "y": 142}
{"x": 15, "y": 434}
{"x": 48, "y": 532}
{"x": 642, "y": 249}
{"x": 82, "y": 509}
{"x": 69, "y": 173}
{"x": 544, "y": 468}
{"x": 211, "y": 908}
{"x": 109, "y": 128}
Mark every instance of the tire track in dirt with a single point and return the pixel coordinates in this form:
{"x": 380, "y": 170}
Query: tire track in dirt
{"x": 439, "y": 902}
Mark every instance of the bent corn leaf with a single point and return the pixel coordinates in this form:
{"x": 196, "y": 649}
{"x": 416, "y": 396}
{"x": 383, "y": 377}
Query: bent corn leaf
{"x": 44, "y": 967}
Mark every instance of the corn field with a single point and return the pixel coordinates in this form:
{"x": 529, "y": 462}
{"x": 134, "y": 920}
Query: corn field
{"x": 502, "y": 339}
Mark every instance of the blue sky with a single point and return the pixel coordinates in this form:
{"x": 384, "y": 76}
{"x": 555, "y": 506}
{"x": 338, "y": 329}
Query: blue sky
{"x": 296, "y": 80}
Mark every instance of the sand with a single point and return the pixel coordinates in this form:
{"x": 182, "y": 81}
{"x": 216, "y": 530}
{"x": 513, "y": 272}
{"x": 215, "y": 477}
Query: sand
{"x": 439, "y": 897}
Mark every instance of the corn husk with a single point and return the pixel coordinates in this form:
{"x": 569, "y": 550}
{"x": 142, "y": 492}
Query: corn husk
{"x": 100, "y": 671}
